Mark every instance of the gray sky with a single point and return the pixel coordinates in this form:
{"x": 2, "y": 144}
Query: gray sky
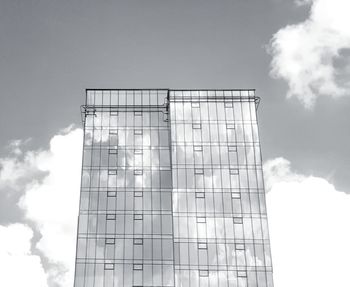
{"x": 51, "y": 50}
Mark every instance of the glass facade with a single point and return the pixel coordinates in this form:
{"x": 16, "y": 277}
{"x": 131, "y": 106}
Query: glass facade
{"x": 172, "y": 191}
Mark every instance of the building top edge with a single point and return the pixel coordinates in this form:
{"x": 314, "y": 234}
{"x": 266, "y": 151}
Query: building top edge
{"x": 170, "y": 90}
{"x": 160, "y": 97}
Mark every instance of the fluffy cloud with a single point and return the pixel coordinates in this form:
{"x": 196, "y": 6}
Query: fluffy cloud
{"x": 17, "y": 170}
{"x": 304, "y": 54}
{"x": 309, "y": 222}
{"x": 18, "y": 266}
{"x": 49, "y": 181}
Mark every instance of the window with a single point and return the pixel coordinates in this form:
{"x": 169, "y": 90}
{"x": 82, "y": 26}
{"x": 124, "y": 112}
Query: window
{"x": 230, "y": 126}
{"x": 197, "y": 148}
{"x": 199, "y": 171}
{"x": 200, "y": 195}
{"x": 138, "y": 193}
{"x": 201, "y": 219}
{"x": 228, "y": 104}
{"x": 203, "y": 273}
{"x": 138, "y": 172}
{"x": 241, "y": 273}
{"x": 196, "y": 126}
{"x": 113, "y": 151}
{"x": 138, "y": 216}
{"x": 234, "y": 171}
{"x": 202, "y": 245}
{"x": 109, "y": 266}
{"x": 113, "y": 113}
{"x": 110, "y": 240}
{"x": 138, "y": 151}
{"x": 239, "y": 246}
{"x": 112, "y": 172}
{"x": 138, "y": 241}
{"x": 113, "y": 132}
{"x": 137, "y": 266}
{"x": 111, "y": 193}
{"x": 138, "y": 132}
{"x": 110, "y": 216}
{"x": 195, "y": 104}
{"x": 238, "y": 219}
{"x": 236, "y": 195}
{"x": 137, "y": 113}
{"x": 232, "y": 148}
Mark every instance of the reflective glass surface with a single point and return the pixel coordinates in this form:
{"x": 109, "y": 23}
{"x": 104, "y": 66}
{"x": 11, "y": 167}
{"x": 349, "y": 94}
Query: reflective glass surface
{"x": 172, "y": 191}
{"x": 219, "y": 214}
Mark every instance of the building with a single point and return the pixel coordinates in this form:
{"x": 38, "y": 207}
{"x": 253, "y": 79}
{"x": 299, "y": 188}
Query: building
{"x": 172, "y": 190}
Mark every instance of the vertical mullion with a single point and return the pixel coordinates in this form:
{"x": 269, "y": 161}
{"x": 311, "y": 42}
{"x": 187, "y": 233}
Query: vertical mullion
{"x": 222, "y": 190}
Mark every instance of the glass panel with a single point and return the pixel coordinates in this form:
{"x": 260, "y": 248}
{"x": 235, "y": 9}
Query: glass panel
{"x": 195, "y": 217}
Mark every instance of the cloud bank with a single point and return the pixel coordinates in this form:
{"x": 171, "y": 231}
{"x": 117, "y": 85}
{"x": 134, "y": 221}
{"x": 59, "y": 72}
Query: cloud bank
{"x": 18, "y": 266}
{"x": 49, "y": 181}
{"x": 308, "y": 219}
{"x": 309, "y": 228}
{"x": 305, "y": 55}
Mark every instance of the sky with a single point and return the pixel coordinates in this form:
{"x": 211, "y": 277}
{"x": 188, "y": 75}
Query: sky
{"x": 296, "y": 54}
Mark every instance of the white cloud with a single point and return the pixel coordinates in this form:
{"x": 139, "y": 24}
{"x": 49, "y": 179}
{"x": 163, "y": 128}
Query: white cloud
{"x": 15, "y": 146}
{"x": 17, "y": 171}
{"x": 304, "y": 54}
{"x": 309, "y": 228}
{"x": 18, "y": 266}
{"x": 49, "y": 181}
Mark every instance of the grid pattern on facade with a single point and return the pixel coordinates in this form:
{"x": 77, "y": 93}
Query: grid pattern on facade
{"x": 125, "y": 221}
{"x": 219, "y": 213}
{"x": 172, "y": 191}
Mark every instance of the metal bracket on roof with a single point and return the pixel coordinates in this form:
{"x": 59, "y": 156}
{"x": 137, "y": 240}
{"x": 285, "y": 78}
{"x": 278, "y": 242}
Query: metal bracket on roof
{"x": 87, "y": 111}
{"x": 257, "y": 102}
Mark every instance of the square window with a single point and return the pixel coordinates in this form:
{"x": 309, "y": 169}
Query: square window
{"x": 113, "y": 151}
{"x": 195, "y": 104}
{"x": 138, "y": 132}
{"x": 232, "y": 148}
{"x": 200, "y": 194}
{"x": 110, "y": 216}
{"x": 228, "y": 104}
{"x": 138, "y": 266}
{"x": 202, "y": 245}
{"x": 113, "y": 132}
{"x": 196, "y": 126}
{"x": 241, "y": 273}
{"x": 201, "y": 219}
{"x": 236, "y": 195}
{"x": 230, "y": 126}
{"x": 203, "y": 273}
{"x": 138, "y": 172}
{"x": 109, "y": 266}
{"x": 197, "y": 148}
{"x": 138, "y": 216}
{"x": 238, "y": 220}
{"x": 111, "y": 193}
{"x": 239, "y": 246}
{"x": 112, "y": 172}
{"x": 234, "y": 171}
{"x": 199, "y": 171}
{"x": 113, "y": 113}
{"x": 138, "y": 241}
{"x": 137, "y": 113}
{"x": 110, "y": 240}
{"x": 138, "y": 151}
{"x": 138, "y": 193}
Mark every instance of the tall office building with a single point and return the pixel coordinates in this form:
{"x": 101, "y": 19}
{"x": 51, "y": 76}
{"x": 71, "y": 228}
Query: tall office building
{"x": 172, "y": 191}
